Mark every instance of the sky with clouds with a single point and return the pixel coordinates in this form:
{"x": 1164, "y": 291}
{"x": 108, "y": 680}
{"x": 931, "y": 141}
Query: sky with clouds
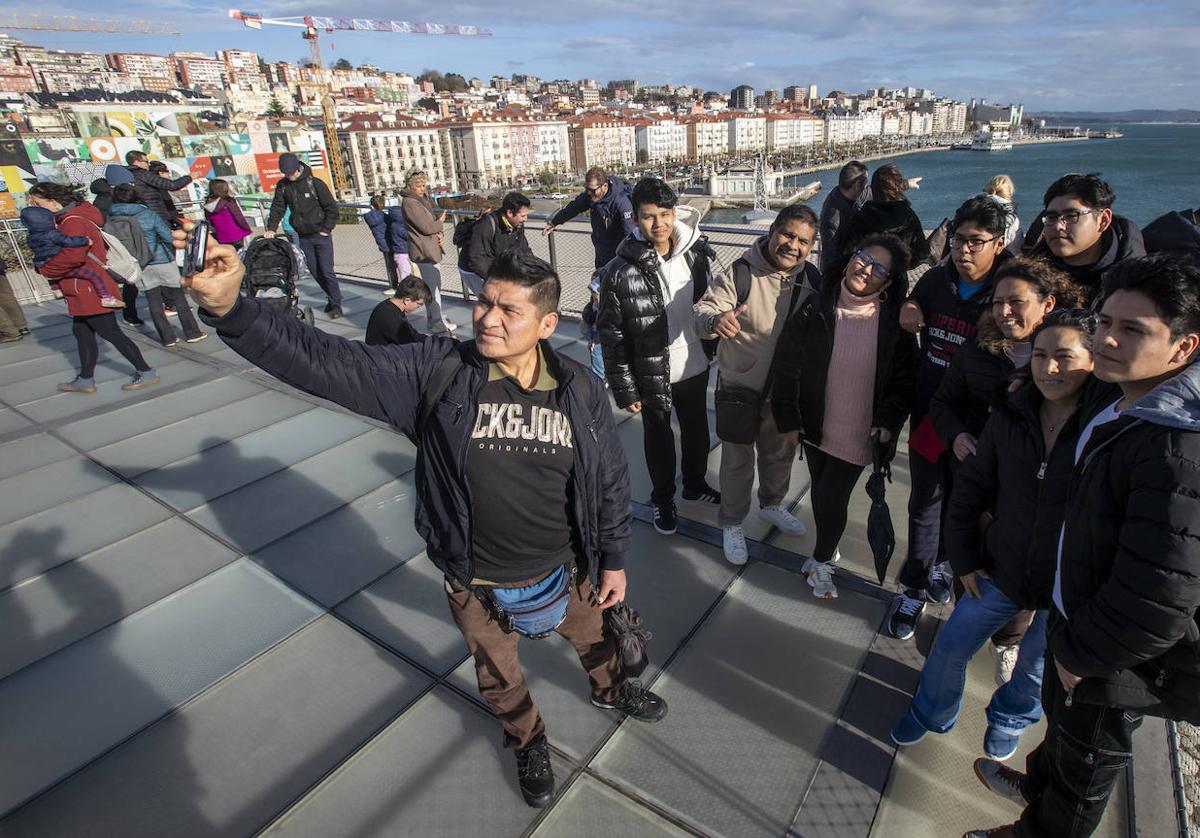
{"x": 1048, "y": 54}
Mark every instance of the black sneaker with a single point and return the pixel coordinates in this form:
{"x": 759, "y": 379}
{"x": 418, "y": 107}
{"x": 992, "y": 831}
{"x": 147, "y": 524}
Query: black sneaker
{"x": 664, "y": 517}
{"x": 335, "y": 312}
{"x": 938, "y": 589}
{"x": 905, "y": 610}
{"x": 705, "y": 493}
{"x": 636, "y": 702}
{"x": 534, "y": 774}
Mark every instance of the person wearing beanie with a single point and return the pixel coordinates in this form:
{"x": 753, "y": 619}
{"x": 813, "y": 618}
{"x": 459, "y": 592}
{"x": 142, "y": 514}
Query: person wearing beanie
{"x": 314, "y": 214}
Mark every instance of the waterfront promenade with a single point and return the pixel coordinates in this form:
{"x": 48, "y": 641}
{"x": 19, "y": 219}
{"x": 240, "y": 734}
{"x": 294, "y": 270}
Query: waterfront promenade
{"x": 218, "y": 622}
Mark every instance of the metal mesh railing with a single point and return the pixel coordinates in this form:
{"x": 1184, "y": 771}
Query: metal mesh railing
{"x": 1185, "y": 746}
{"x": 356, "y": 256}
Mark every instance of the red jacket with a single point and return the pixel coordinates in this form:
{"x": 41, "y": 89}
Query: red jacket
{"x": 82, "y": 300}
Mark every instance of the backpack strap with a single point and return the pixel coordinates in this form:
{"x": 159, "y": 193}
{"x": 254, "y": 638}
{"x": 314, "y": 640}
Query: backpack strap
{"x": 435, "y": 388}
{"x": 741, "y": 280}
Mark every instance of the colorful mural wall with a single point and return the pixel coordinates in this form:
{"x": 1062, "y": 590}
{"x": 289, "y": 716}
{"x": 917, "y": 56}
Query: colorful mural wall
{"x": 248, "y": 159}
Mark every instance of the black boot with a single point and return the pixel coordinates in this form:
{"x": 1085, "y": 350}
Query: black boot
{"x": 534, "y": 773}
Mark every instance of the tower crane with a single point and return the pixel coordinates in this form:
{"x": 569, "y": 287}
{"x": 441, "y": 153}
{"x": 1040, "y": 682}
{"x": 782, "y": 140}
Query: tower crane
{"x": 312, "y": 25}
{"x": 71, "y": 23}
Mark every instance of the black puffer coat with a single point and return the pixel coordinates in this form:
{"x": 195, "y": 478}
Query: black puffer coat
{"x": 977, "y": 378}
{"x": 1130, "y": 568}
{"x": 632, "y": 321}
{"x": 802, "y": 365}
{"x": 155, "y": 191}
{"x": 1024, "y": 489}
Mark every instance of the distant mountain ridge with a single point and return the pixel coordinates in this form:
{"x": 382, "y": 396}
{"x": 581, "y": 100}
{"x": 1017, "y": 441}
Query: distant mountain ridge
{"x": 1145, "y": 115}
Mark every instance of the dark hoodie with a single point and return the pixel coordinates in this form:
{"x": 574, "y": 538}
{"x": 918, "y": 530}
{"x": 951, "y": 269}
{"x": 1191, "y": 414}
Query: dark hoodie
{"x": 894, "y": 217}
{"x": 1129, "y": 572}
{"x": 977, "y": 377}
{"x": 314, "y": 210}
{"x": 103, "y": 193}
{"x": 1122, "y": 240}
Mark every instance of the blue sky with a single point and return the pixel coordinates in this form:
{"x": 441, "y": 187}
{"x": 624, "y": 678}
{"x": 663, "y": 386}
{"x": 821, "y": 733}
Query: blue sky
{"x": 1048, "y": 54}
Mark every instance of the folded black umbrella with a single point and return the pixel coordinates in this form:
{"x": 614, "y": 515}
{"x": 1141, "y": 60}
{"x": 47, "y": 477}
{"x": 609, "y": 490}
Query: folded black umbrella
{"x": 624, "y": 625}
{"x": 881, "y": 535}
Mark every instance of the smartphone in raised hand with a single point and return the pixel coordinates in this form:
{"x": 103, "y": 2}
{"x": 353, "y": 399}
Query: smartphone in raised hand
{"x": 196, "y": 249}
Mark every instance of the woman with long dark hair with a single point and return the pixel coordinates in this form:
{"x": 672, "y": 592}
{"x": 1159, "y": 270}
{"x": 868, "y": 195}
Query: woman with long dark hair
{"x": 76, "y": 217}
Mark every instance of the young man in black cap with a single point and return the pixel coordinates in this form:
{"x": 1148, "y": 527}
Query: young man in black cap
{"x": 314, "y": 215}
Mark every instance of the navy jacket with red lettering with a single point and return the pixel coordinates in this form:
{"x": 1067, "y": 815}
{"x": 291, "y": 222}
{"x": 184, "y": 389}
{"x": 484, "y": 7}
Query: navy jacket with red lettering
{"x": 950, "y": 321}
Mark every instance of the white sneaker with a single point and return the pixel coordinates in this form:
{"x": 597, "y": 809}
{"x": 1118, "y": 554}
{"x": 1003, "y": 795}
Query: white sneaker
{"x": 820, "y": 577}
{"x": 1006, "y": 662}
{"x": 782, "y": 519}
{"x": 733, "y": 539}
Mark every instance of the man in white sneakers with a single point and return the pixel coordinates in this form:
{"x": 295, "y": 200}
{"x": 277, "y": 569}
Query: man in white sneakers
{"x": 746, "y": 307}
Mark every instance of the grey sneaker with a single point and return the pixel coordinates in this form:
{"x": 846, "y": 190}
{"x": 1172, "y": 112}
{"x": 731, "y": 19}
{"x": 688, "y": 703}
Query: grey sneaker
{"x": 1006, "y": 661}
{"x": 1001, "y": 779}
{"x": 78, "y": 385}
{"x": 141, "y": 379}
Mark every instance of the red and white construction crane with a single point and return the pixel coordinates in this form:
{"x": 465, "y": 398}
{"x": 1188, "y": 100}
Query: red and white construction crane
{"x": 312, "y": 25}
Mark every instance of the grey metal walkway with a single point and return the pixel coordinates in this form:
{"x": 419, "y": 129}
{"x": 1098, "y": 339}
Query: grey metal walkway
{"x": 217, "y": 621}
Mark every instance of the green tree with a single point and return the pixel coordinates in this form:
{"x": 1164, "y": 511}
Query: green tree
{"x": 428, "y": 103}
{"x": 342, "y": 64}
{"x": 547, "y": 178}
{"x": 274, "y": 108}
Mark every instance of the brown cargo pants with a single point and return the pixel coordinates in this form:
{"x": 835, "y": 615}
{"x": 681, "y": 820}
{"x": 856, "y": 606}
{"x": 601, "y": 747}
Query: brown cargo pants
{"x": 498, "y": 669}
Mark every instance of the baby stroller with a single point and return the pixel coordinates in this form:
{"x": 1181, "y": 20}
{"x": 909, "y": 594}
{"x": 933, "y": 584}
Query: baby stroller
{"x": 273, "y": 275}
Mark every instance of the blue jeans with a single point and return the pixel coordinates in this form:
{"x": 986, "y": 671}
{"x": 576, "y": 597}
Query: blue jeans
{"x": 1014, "y": 706}
{"x": 592, "y": 336}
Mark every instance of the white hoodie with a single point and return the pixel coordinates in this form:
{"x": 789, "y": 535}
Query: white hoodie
{"x": 687, "y": 356}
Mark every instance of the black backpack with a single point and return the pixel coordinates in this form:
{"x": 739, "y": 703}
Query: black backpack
{"x": 462, "y": 230}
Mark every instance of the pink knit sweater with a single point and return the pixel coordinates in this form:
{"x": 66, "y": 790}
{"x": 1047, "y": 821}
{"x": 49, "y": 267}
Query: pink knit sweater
{"x": 850, "y": 384}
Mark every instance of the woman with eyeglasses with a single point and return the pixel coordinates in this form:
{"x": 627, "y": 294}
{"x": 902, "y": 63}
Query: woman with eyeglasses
{"x": 1002, "y": 531}
{"x": 944, "y": 311}
{"x": 843, "y": 383}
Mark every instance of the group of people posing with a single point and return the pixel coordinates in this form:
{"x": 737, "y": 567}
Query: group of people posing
{"x": 1053, "y": 434}
{"x": 1053, "y": 413}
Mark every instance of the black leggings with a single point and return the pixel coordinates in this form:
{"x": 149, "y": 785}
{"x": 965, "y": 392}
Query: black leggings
{"x": 104, "y": 325}
{"x": 833, "y": 481}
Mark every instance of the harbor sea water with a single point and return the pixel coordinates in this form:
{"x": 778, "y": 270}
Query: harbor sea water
{"x": 1153, "y": 170}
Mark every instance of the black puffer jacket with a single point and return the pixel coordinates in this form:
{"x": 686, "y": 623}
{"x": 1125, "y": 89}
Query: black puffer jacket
{"x": 802, "y": 365}
{"x": 1122, "y": 240}
{"x": 632, "y": 321}
{"x": 895, "y": 217}
{"x": 386, "y": 383}
{"x": 977, "y": 378}
{"x": 154, "y": 190}
{"x": 1012, "y": 478}
{"x": 1130, "y": 567}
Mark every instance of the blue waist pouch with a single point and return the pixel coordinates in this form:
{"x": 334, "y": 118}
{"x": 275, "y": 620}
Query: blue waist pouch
{"x": 535, "y": 610}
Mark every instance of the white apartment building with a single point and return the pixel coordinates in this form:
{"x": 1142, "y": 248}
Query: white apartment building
{"x": 890, "y": 126}
{"x": 872, "y": 123}
{"x": 378, "y": 153}
{"x": 843, "y": 128}
{"x": 786, "y": 131}
{"x": 602, "y": 141}
{"x": 142, "y": 64}
{"x": 552, "y": 147}
{"x": 199, "y": 70}
{"x": 661, "y": 141}
{"x": 707, "y": 137}
{"x": 495, "y": 152}
{"x": 747, "y": 134}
